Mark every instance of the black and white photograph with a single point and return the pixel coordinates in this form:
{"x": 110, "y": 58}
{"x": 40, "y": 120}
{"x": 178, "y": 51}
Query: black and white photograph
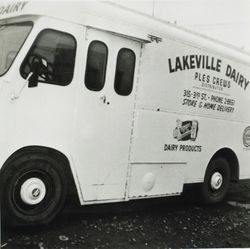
{"x": 124, "y": 124}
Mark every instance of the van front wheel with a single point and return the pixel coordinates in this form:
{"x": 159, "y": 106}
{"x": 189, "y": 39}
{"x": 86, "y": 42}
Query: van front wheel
{"x": 216, "y": 181}
{"x": 34, "y": 190}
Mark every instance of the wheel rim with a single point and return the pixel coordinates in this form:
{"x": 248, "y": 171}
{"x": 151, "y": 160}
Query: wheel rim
{"x": 33, "y": 191}
{"x": 216, "y": 181}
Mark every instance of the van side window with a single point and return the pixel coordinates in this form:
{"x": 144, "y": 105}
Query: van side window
{"x": 124, "y": 75}
{"x": 57, "y": 51}
{"x": 96, "y": 66}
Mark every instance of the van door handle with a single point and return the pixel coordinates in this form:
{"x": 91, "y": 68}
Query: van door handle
{"x": 103, "y": 99}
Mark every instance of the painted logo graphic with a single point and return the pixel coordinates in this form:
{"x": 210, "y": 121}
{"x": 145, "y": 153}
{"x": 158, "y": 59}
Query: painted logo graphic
{"x": 246, "y": 137}
{"x": 186, "y": 130}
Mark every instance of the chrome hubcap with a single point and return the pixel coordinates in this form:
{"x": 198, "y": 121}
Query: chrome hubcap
{"x": 216, "y": 181}
{"x": 33, "y": 191}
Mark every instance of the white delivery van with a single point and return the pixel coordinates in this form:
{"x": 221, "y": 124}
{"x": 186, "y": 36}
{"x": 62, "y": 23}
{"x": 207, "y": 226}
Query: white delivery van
{"x": 127, "y": 106}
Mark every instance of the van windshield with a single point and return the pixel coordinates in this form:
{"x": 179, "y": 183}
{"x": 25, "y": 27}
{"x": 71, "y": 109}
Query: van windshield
{"x": 12, "y": 37}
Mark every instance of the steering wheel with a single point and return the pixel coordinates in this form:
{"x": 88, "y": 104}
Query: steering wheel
{"x": 47, "y": 68}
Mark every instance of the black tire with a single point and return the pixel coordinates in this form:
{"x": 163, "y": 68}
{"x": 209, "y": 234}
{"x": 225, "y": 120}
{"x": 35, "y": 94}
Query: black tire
{"x": 208, "y": 191}
{"x": 26, "y": 166}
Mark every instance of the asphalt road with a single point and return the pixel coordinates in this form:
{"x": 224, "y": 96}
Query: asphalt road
{"x": 179, "y": 222}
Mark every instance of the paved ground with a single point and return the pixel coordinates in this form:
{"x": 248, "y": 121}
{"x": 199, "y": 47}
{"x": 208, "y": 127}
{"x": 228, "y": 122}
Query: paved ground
{"x": 158, "y": 223}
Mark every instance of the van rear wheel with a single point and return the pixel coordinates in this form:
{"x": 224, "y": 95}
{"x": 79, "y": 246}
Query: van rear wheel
{"x": 34, "y": 190}
{"x": 216, "y": 181}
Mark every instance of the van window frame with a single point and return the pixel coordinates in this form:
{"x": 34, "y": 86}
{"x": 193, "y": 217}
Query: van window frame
{"x": 17, "y": 24}
{"x": 132, "y": 76}
{"x": 105, "y": 68}
{"x": 31, "y": 47}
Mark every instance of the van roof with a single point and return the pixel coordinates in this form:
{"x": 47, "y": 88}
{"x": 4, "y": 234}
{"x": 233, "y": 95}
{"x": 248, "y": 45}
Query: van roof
{"x": 118, "y": 19}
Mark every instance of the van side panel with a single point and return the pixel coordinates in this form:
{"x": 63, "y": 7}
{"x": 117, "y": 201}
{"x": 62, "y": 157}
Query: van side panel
{"x": 191, "y": 103}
